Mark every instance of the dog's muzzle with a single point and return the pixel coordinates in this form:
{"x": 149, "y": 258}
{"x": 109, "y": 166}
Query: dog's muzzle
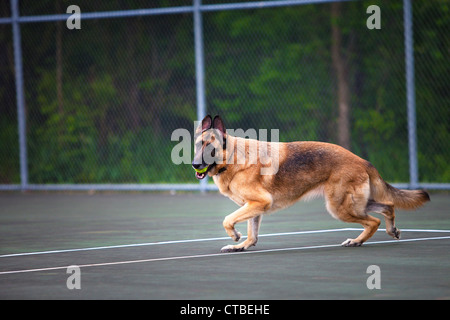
{"x": 200, "y": 170}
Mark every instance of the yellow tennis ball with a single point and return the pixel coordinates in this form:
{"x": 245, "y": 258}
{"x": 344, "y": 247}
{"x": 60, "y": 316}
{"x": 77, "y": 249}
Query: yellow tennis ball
{"x": 201, "y": 170}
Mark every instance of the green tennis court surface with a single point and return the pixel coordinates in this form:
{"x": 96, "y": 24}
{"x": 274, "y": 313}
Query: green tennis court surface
{"x": 161, "y": 246}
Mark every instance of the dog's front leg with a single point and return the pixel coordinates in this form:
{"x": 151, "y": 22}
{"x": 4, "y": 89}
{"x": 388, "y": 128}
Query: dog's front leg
{"x": 252, "y": 211}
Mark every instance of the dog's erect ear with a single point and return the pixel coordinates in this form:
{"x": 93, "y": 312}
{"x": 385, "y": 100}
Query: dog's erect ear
{"x": 218, "y": 124}
{"x": 206, "y": 123}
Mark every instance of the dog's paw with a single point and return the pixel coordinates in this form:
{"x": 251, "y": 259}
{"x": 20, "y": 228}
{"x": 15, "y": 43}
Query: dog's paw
{"x": 396, "y": 234}
{"x": 351, "y": 243}
{"x": 236, "y": 236}
{"x": 231, "y": 248}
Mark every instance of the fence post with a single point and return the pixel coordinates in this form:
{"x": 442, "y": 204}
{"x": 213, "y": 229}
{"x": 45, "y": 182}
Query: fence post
{"x": 410, "y": 95}
{"x": 199, "y": 71}
{"x": 21, "y": 115}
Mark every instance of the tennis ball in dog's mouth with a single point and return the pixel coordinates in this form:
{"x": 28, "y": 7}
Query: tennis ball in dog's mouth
{"x": 201, "y": 170}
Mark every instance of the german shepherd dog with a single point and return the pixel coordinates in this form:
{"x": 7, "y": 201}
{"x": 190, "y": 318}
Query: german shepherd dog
{"x": 352, "y": 187}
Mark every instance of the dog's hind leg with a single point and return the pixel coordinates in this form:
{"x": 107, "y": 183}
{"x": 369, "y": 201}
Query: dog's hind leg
{"x": 349, "y": 205}
{"x": 387, "y": 210}
{"x": 370, "y": 225}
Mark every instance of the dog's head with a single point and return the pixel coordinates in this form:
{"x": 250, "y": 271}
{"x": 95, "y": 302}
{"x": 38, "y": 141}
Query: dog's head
{"x": 210, "y": 138}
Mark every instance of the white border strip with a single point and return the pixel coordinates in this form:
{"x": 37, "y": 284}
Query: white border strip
{"x": 216, "y": 255}
{"x": 203, "y": 240}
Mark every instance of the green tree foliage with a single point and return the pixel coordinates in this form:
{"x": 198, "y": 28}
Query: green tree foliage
{"x": 127, "y": 83}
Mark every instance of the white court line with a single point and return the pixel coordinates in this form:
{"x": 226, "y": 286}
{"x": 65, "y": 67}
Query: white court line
{"x": 215, "y": 255}
{"x": 204, "y": 240}
{"x": 168, "y": 242}
{"x": 407, "y": 230}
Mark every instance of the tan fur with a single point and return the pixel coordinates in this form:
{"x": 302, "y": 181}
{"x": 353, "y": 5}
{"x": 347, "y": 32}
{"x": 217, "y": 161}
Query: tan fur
{"x": 351, "y": 185}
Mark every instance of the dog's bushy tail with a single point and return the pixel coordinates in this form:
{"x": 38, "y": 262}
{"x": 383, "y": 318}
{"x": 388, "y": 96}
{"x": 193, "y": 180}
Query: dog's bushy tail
{"x": 383, "y": 192}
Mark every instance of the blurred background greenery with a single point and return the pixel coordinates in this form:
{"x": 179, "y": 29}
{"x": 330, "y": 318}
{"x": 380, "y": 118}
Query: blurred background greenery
{"x": 102, "y": 102}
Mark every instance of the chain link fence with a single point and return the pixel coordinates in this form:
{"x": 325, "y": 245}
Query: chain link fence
{"x": 101, "y": 102}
